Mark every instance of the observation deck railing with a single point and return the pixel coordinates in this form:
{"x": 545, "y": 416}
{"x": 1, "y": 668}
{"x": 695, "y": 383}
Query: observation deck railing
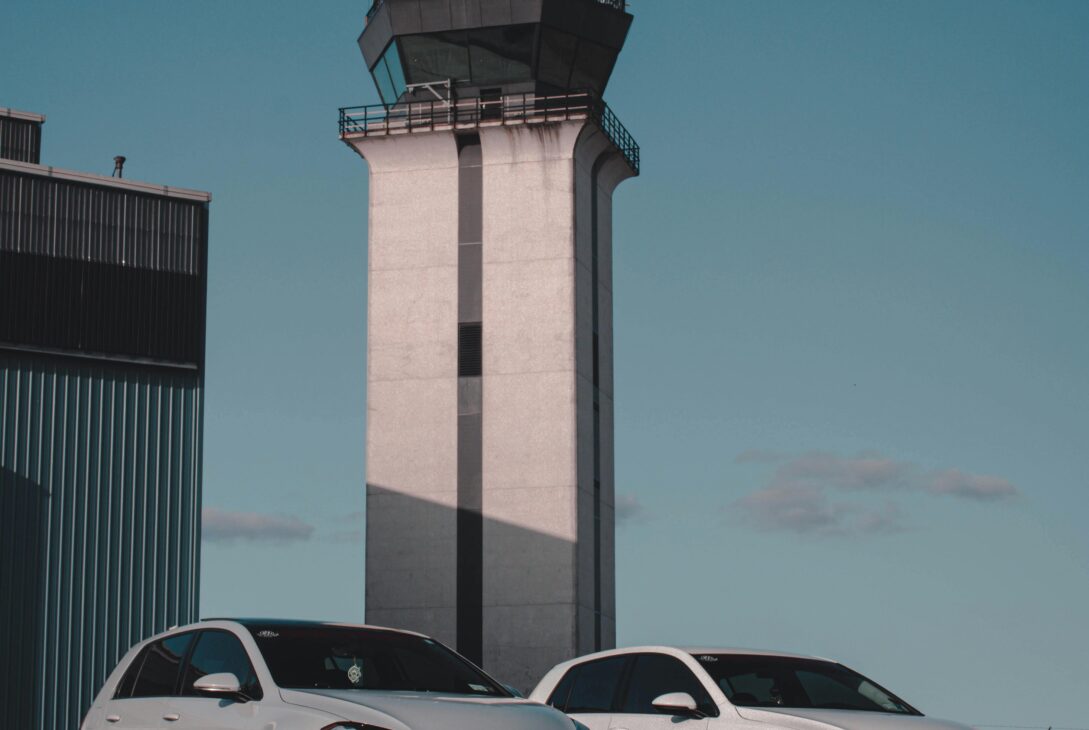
{"x": 471, "y": 113}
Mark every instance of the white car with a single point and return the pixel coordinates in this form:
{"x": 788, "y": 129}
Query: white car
{"x": 666, "y": 688}
{"x": 265, "y": 674}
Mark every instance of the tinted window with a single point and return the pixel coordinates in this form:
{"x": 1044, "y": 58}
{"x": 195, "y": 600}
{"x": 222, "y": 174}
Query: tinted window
{"x": 657, "y": 674}
{"x": 436, "y": 57}
{"x": 333, "y": 657}
{"x": 557, "y": 50}
{"x": 771, "y": 681}
{"x": 843, "y": 691}
{"x": 124, "y": 688}
{"x": 500, "y": 54}
{"x": 159, "y": 667}
{"x": 559, "y": 696}
{"x": 383, "y": 81}
{"x": 593, "y": 63}
{"x": 217, "y": 652}
{"x": 594, "y": 685}
{"x": 392, "y": 59}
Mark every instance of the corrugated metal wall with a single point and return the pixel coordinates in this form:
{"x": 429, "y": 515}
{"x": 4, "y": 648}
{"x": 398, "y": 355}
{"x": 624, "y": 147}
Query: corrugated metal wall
{"x": 100, "y": 457}
{"x": 20, "y": 139}
{"x": 53, "y": 217}
{"x": 100, "y": 473}
{"x": 99, "y": 269}
{"x": 63, "y": 304}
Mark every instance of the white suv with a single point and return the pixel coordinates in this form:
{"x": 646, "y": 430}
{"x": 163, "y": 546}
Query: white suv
{"x": 666, "y": 688}
{"x": 262, "y": 674}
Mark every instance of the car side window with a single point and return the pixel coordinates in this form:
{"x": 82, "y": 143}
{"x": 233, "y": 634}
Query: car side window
{"x": 654, "y": 675}
{"x": 154, "y": 672}
{"x": 593, "y": 685}
{"x": 217, "y": 652}
{"x": 124, "y": 687}
{"x": 558, "y": 698}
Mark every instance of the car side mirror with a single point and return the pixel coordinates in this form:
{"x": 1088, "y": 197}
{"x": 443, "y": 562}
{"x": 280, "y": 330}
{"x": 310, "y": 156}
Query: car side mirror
{"x": 676, "y": 703}
{"x": 224, "y": 684}
{"x": 514, "y": 691}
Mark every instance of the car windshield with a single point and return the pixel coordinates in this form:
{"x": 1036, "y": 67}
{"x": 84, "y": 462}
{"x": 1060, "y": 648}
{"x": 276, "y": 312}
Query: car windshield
{"x": 342, "y": 657}
{"x": 773, "y": 681}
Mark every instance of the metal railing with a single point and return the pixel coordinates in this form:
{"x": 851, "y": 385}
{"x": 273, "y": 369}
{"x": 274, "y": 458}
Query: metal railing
{"x": 619, "y": 135}
{"x": 620, "y": 5}
{"x": 432, "y": 115}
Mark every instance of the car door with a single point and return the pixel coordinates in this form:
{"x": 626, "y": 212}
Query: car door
{"x": 145, "y": 695}
{"x": 651, "y": 676}
{"x": 217, "y": 651}
{"x": 588, "y": 692}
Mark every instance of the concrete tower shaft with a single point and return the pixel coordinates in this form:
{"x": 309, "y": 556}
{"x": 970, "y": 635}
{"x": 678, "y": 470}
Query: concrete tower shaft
{"x": 490, "y": 518}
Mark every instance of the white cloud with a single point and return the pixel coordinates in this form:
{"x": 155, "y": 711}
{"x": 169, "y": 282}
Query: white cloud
{"x": 760, "y": 456}
{"x": 347, "y": 537}
{"x": 870, "y": 471}
{"x": 795, "y": 498}
{"x": 808, "y": 510}
{"x": 223, "y": 526}
{"x": 628, "y": 508}
{"x": 956, "y": 483}
{"x": 865, "y": 471}
{"x": 348, "y": 530}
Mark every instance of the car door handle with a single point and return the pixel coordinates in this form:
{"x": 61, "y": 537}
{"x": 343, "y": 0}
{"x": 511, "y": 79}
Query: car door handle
{"x": 113, "y": 718}
{"x": 172, "y": 717}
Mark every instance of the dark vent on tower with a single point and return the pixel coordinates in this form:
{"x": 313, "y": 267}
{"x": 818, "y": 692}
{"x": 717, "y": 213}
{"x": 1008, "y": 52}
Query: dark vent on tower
{"x": 469, "y": 350}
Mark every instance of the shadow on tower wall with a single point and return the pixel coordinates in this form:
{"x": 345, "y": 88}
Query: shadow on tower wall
{"x": 22, "y": 505}
{"x": 524, "y": 605}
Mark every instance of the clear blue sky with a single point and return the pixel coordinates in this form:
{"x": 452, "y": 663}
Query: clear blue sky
{"x": 852, "y": 316}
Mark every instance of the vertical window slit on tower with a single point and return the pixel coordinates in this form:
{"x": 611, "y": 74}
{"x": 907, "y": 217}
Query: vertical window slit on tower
{"x": 470, "y": 521}
{"x": 595, "y": 314}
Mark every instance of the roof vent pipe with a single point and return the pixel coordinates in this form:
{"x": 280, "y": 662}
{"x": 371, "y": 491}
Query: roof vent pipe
{"x": 118, "y": 164}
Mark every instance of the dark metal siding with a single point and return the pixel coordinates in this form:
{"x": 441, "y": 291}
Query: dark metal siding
{"x": 100, "y": 270}
{"x": 54, "y": 217}
{"x": 62, "y": 304}
{"x": 20, "y": 139}
{"x": 100, "y": 459}
{"x": 100, "y": 472}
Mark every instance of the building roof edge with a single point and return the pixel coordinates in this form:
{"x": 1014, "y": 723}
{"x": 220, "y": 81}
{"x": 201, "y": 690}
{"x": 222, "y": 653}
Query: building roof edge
{"x": 116, "y": 182}
{"x": 26, "y": 116}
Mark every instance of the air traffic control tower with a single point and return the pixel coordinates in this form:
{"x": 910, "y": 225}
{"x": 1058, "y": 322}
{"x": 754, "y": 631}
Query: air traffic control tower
{"x": 493, "y": 161}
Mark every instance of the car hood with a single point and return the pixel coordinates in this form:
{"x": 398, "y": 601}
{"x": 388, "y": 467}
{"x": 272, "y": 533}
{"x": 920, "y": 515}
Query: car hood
{"x": 803, "y": 719}
{"x": 423, "y": 711}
